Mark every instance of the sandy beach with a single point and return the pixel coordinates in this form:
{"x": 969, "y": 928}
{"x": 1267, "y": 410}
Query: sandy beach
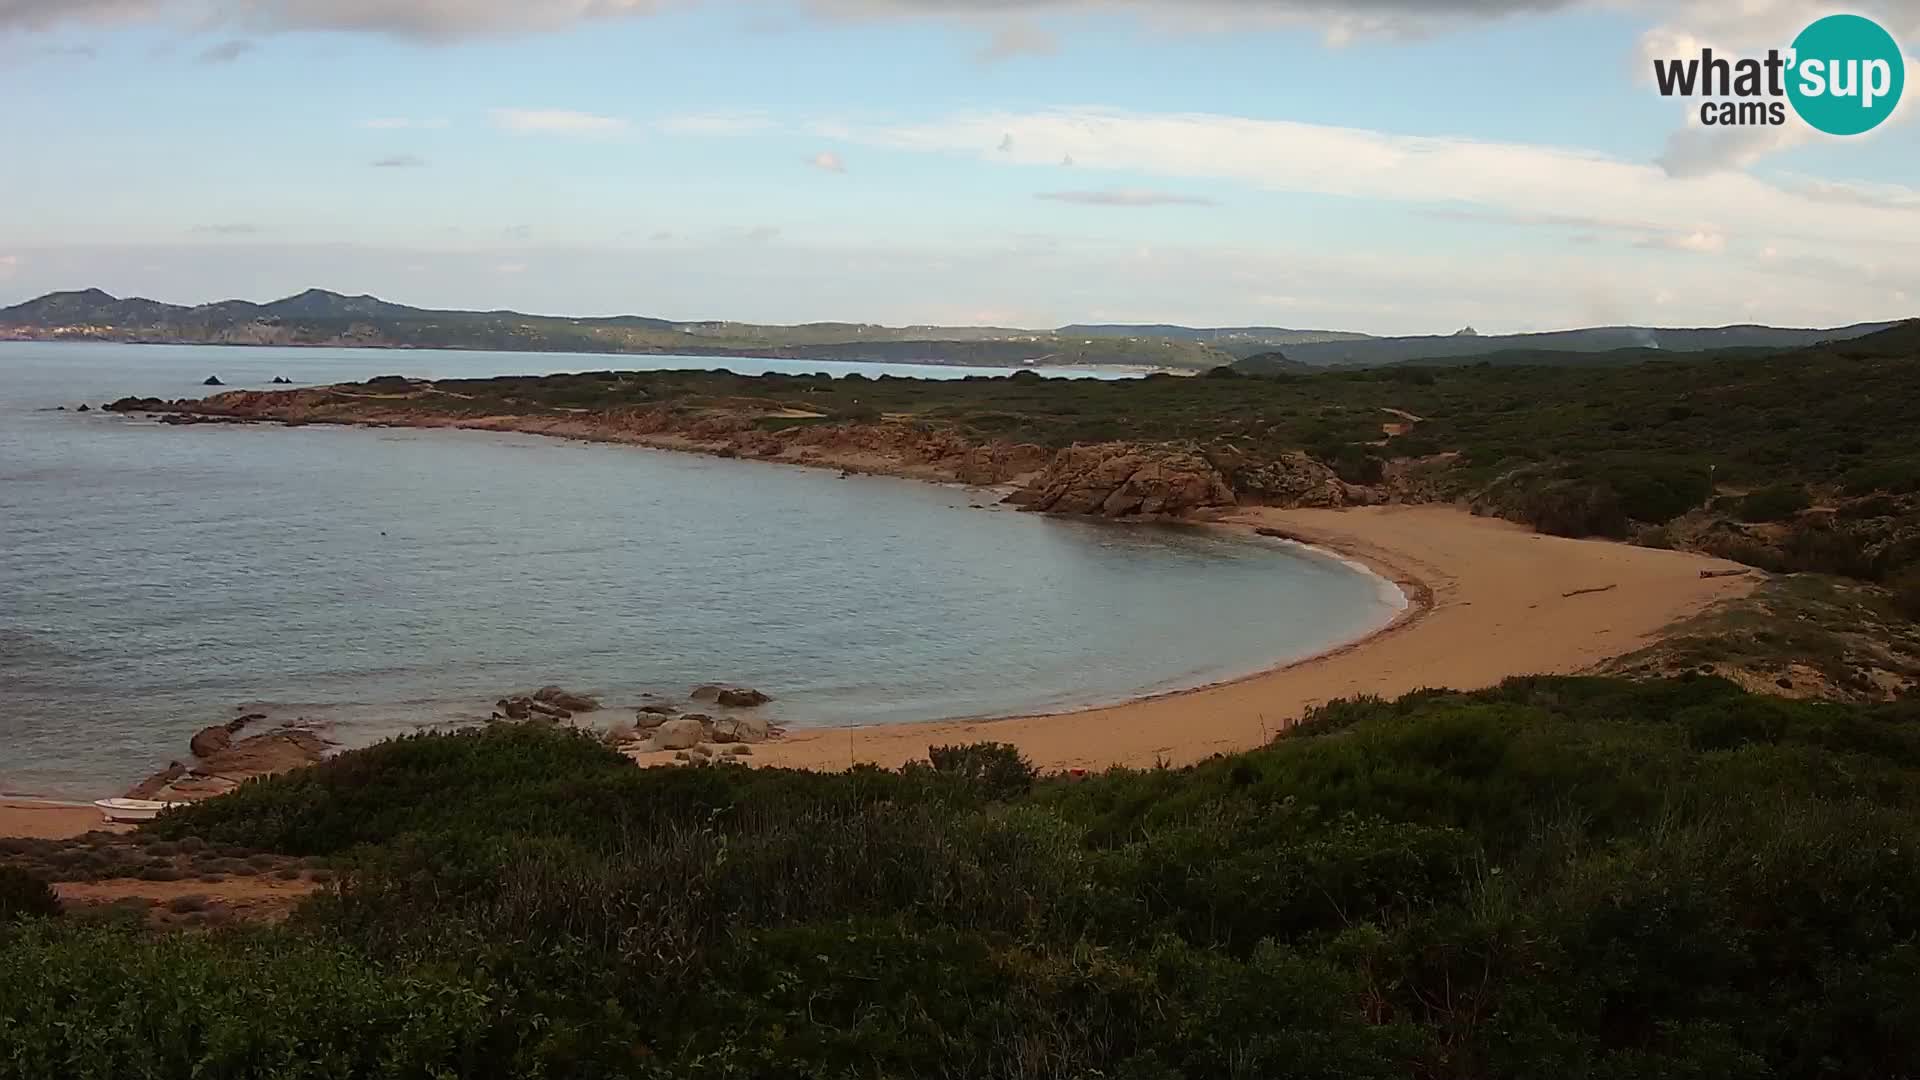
{"x": 1488, "y": 599}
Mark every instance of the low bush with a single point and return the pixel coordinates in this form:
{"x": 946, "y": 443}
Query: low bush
{"x": 1776, "y": 503}
{"x": 22, "y": 896}
{"x": 1557, "y": 876}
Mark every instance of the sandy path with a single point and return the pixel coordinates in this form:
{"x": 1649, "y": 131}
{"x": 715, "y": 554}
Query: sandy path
{"x": 1496, "y": 607}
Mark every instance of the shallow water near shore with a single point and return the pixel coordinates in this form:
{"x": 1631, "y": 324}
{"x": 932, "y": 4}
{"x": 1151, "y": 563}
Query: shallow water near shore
{"x": 155, "y": 578}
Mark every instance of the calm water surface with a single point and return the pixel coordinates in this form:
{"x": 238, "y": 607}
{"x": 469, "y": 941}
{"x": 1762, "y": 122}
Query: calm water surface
{"x": 154, "y": 578}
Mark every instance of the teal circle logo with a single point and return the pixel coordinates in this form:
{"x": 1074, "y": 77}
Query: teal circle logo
{"x": 1847, "y": 75}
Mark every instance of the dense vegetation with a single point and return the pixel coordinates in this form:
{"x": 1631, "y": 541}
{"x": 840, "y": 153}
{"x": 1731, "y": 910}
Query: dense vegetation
{"x": 1797, "y": 461}
{"x": 1560, "y": 877}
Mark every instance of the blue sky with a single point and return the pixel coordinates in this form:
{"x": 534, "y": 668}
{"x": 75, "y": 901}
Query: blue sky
{"x": 1383, "y": 165}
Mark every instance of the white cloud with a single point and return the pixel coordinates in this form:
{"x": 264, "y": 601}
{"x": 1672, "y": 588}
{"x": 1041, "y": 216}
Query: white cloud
{"x": 828, "y": 161}
{"x": 400, "y": 161}
{"x": 1341, "y": 20}
{"x": 1699, "y": 242}
{"x": 449, "y": 19}
{"x": 1527, "y": 181}
{"x": 555, "y": 122}
{"x": 1125, "y": 197}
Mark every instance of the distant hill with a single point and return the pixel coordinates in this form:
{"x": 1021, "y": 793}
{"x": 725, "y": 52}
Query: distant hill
{"x": 1270, "y": 363}
{"x": 1375, "y": 352}
{"x": 1608, "y": 358}
{"x": 1231, "y": 338}
{"x": 319, "y": 317}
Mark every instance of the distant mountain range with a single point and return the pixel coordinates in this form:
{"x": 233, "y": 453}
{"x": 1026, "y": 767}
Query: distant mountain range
{"x": 319, "y": 317}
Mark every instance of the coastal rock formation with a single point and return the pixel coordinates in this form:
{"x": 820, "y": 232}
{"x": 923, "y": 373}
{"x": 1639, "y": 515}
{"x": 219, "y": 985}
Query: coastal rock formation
{"x": 213, "y": 380}
{"x": 225, "y": 763}
{"x": 1126, "y": 479}
{"x": 565, "y": 699}
{"x": 158, "y": 782}
{"x": 743, "y": 729}
{"x": 1288, "y": 480}
{"x": 647, "y": 720}
{"x": 742, "y": 698}
{"x": 682, "y": 734}
{"x": 210, "y": 741}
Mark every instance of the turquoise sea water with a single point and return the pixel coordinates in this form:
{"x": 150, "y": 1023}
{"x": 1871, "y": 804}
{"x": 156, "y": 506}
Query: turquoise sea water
{"x": 154, "y": 578}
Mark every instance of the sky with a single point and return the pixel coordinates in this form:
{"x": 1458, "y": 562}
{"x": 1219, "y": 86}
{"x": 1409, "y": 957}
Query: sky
{"x": 1388, "y": 166}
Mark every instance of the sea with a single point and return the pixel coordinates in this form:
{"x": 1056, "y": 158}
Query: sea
{"x": 155, "y": 579}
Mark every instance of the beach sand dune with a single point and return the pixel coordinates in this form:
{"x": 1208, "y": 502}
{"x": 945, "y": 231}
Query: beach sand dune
{"x": 1490, "y": 600}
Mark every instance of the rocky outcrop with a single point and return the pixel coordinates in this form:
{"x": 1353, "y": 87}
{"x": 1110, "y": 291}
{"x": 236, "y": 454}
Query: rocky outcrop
{"x": 682, "y": 734}
{"x": 730, "y": 697}
{"x": 565, "y": 699}
{"x": 1126, "y": 480}
{"x": 741, "y": 729}
{"x": 210, "y": 741}
{"x": 1288, "y": 480}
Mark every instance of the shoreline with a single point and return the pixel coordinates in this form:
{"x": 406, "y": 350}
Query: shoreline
{"x": 1436, "y": 555}
{"x": 1461, "y": 630}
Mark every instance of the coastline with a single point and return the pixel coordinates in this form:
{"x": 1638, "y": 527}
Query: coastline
{"x": 1488, "y": 600}
{"x": 1477, "y": 590}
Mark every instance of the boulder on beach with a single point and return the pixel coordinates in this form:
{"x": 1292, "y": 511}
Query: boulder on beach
{"x": 213, "y": 380}
{"x": 742, "y": 698}
{"x": 210, "y": 741}
{"x": 708, "y": 692}
{"x": 741, "y": 729}
{"x": 516, "y": 708}
{"x": 84, "y": 408}
{"x": 658, "y": 710}
{"x": 551, "y": 712}
{"x": 682, "y": 734}
{"x": 647, "y": 721}
{"x": 566, "y": 699}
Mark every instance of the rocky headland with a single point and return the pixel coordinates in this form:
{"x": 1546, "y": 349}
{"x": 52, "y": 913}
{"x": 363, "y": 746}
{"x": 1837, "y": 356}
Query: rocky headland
{"x": 1115, "y": 479}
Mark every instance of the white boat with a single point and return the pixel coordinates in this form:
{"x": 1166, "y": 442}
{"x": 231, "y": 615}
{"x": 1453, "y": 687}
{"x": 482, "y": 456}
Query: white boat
{"x": 132, "y": 809}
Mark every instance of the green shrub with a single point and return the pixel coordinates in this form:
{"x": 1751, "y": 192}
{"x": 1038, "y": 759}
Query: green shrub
{"x": 998, "y": 768}
{"x": 1776, "y": 503}
{"x": 22, "y": 895}
{"x": 1567, "y": 876}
